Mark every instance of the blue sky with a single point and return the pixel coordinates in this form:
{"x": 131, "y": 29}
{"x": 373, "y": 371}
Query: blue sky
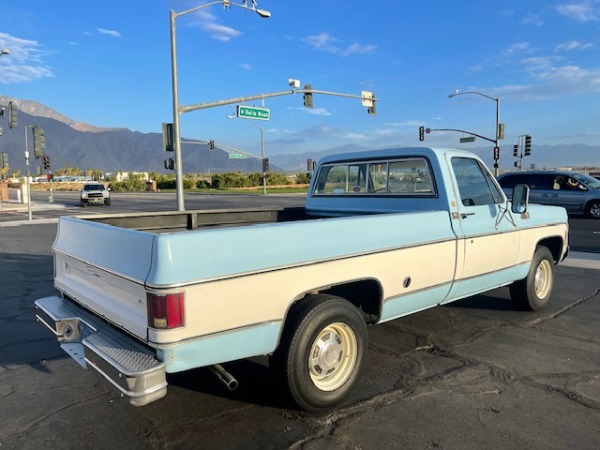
{"x": 107, "y": 63}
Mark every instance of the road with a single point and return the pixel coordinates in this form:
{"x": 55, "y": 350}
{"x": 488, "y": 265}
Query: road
{"x": 584, "y": 233}
{"x": 476, "y": 374}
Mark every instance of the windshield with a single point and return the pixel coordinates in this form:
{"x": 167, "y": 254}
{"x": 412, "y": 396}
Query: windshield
{"x": 93, "y": 187}
{"x": 590, "y": 182}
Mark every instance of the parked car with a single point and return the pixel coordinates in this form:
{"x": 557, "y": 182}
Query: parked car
{"x": 578, "y": 193}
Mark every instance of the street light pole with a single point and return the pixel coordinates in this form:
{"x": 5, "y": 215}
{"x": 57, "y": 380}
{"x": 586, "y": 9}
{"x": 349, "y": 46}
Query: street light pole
{"x": 497, "y": 133}
{"x": 176, "y": 108}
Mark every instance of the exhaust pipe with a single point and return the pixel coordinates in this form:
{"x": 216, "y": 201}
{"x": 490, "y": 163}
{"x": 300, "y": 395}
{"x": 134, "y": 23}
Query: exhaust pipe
{"x": 224, "y": 377}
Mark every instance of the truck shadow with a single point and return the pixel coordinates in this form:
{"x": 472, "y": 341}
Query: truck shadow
{"x": 23, "y": 279}
{"x": 258, "y": 385}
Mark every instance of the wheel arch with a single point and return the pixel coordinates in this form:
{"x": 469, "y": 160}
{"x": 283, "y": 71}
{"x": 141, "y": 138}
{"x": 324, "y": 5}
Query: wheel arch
{"x": 366, "y": 294}
{"x": 554, "y": 244}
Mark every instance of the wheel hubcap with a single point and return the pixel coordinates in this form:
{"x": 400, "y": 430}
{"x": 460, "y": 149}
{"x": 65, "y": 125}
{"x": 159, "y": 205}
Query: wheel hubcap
{"x": 543, "y": 279}
{"x": 332, "y": 356}
{"x": 595, "y": 210}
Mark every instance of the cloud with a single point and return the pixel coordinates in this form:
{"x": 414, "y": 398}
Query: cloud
{"x": 584, "y": 11}
{"x": 549, "y": 81}
{"x": 245, "y": 66}
{"x": 317, "y": 111}
{"x": 357, "y": 49}
{"x": 534, "y": 20}
{"x": 325, "y": 42}
{"x": 573, "y": 45}
{"x": 25, "y": 62}
{"x": 208, "y": 23}
{"x": 111, "y": 33}
{"x": 220, "y": 32}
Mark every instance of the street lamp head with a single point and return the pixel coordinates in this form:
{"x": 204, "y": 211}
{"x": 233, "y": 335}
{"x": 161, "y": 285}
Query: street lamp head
{"x": 263, "y": 13}
{"x": 4, "y": 51}
{"x": 457, "y": 92}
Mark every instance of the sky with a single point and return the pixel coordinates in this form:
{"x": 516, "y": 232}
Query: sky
{"x": 108, "y": 63}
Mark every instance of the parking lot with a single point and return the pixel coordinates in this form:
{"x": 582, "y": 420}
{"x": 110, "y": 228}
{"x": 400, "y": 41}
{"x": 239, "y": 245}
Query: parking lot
{"x": 472, "y": 375}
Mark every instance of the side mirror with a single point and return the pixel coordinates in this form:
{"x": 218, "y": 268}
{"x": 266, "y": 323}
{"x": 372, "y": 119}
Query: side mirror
{"x": 520, "y": 199}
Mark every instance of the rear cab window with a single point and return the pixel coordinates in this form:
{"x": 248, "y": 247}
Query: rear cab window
{"x": 411, "y": 176}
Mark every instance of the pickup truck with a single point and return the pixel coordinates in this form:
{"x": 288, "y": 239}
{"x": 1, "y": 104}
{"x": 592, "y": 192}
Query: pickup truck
{"x": 383, "y": 234}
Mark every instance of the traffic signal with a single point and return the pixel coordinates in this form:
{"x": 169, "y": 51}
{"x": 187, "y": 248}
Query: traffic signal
{"x": 372, "y": 109}
{"x": 516, "y": 151}
{"x": 265, "y": 164}
{"x": 3, "y": 160}
{"x": 46, "y": 162}
{"x": 309, "y": 165}
{"x": 421, "y": 133}
{"x": 167, "y": 136}
{"x": 527, "y": 145}
{"x": 496, "y": 153}
{"x": 211, "y": 144}
{"x": 12, "y": 115}
{"x": 39, "y": 141}
{"x": 308, "y": 100}
{"x": 170, "y": 164}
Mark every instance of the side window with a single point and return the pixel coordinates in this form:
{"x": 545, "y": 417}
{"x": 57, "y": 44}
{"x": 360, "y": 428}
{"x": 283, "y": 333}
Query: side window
{"x": 473, "y": 186}
{"x": 508, "y": 181}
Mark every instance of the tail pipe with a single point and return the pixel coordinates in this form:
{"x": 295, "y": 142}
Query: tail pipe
{"x": 224, "y": 377}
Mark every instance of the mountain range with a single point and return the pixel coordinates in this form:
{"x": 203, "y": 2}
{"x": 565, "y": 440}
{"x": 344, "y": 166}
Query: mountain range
{"x": 75, "y": 144}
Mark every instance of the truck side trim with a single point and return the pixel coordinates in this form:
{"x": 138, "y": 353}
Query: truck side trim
{"x": 259, "y": 339}
{"x": 403, "y": 305}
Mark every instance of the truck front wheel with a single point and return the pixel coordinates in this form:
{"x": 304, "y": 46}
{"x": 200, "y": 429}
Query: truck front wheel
{"x": 322, "y": 352}
{"x": 533, "y": 292}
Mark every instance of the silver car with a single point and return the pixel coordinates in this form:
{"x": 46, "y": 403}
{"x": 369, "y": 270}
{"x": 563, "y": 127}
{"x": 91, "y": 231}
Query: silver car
{"x": 578, "y": 193}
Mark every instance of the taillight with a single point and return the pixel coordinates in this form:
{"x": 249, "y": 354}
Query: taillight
{"x": 165, "y": 311}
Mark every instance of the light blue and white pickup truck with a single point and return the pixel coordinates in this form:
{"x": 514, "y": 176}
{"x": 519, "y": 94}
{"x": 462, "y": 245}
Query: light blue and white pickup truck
{"x": 383, "y": 234}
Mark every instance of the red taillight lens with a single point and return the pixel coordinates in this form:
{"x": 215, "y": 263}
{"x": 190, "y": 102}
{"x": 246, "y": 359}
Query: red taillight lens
{"x": 165, "y": 311}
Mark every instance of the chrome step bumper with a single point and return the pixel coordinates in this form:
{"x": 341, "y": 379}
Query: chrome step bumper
{"x": 128, "y": 365}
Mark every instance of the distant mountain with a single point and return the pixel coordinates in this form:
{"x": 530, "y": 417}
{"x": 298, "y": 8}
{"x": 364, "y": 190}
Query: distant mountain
{"x": 75, "y": 144}
{"x": 70, "y": 143}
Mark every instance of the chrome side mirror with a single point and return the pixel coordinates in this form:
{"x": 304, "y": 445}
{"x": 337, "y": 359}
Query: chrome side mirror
{"x": 520, "y": 199}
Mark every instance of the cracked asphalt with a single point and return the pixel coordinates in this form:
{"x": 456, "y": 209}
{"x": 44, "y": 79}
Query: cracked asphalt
{"x": 475, "y": 374}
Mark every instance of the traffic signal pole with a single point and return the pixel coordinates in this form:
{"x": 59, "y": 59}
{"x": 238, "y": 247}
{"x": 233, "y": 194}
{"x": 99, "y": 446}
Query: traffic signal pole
{"x": 28, "y": 184}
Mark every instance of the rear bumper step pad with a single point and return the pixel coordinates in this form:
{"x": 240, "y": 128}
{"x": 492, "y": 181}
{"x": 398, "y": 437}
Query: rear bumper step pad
{"x": 128, "y": 365}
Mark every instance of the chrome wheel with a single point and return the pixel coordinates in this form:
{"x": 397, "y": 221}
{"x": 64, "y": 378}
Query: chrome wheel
{"x": 332, "y": 356}
{"x": 594, "y": 210}
{"x": 543, "y": 279}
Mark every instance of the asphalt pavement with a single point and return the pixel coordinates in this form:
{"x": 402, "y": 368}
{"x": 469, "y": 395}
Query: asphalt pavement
{"x": 471, "y": 375}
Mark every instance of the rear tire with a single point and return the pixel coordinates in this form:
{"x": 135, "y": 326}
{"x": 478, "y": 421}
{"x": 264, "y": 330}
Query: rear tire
{"x": 322, "y": 351}
{"x": 593, "y": 209}
{"x": 83, "y": 204}
{"x": 533, "y": 292}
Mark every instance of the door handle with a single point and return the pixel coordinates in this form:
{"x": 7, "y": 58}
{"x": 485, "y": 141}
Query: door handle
{"x": 465, "y": 215}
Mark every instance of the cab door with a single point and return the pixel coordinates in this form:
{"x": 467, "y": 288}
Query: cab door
{"x": 488, "y": 236}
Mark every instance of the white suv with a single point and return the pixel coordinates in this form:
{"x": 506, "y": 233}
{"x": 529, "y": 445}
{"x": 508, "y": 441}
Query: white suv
{"x": 94, "y": 194}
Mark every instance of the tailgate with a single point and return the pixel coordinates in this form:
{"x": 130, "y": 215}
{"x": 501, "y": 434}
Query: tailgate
{"x": 104, "y": 268}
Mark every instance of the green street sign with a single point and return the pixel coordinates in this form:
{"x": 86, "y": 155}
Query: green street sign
{"x": 236, "y": 156}
{"x": 253, "y": 112}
